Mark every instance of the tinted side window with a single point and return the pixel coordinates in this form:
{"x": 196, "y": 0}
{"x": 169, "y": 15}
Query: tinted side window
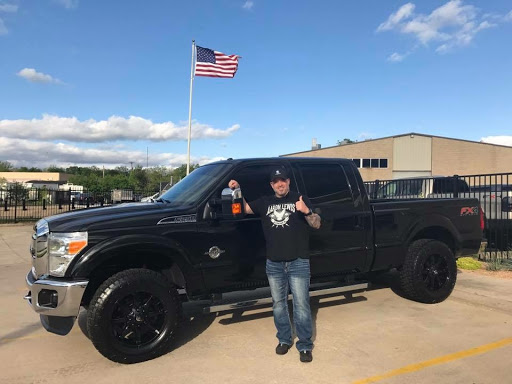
{"x": 443, "y": 186}
{"x": 325, "y": 183}
{"x": 446, "y": 186}
{"x": 254, "y": 181}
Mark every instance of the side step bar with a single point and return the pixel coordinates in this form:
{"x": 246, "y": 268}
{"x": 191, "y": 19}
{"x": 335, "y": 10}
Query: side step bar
{"x": 268, "y": 300}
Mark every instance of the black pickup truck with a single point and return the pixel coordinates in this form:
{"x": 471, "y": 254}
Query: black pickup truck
{"x": 133, "y": 266}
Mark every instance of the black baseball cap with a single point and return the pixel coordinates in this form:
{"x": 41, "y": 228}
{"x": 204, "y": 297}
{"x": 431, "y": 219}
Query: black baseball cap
{"x": 278, "y": 173}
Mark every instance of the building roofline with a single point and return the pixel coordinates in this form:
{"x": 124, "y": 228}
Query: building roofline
{"x": 392, "y": 137}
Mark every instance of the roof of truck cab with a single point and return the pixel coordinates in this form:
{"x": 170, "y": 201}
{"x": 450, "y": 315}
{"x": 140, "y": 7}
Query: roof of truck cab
{"x": 281, "y": 160}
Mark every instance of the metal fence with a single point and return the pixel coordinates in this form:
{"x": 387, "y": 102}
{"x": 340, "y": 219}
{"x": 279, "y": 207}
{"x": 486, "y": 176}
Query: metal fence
{"x": 18, "y": 204}
{"x": 493, "y": 191}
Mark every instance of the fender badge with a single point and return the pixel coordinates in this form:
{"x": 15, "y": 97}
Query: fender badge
{"x": 178, "y": 219}
{"x": 214, "y": 252}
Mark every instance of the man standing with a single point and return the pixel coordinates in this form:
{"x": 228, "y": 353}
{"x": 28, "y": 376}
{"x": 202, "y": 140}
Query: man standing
{"x": 285, "y": 217}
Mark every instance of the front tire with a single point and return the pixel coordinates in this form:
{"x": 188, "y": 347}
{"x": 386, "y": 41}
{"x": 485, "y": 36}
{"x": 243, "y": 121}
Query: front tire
{"x": 133, "y": 316}
{"x": 429, "y": 272}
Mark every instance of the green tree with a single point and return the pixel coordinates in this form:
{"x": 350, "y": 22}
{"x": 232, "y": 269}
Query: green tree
{"x": 138, "y": 178}
{"x": 54, "y": 168}
{"x": 159, "y": 177}
{"x": 345, "y": 141}
{"x": 180, "y": 172}
{"x": 5, "y": 166}
{"x": 27, "y": 169}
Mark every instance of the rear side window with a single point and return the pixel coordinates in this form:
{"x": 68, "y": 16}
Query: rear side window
{"x": 447, "y": 186}
{"x": 325, "y": 183}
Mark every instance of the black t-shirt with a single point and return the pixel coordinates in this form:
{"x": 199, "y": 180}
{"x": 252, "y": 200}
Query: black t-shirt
{"x": 285, "y": 229}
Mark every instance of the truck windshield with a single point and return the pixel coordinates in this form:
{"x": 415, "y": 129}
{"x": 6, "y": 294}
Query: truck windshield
{"x": 190, "y": 189}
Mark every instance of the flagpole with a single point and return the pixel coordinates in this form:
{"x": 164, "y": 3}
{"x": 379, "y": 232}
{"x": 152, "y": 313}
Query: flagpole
{"x": 190, "y": 104}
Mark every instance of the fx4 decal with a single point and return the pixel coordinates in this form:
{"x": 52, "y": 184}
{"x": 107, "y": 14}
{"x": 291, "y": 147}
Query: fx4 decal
{"x": 469, "y": 211}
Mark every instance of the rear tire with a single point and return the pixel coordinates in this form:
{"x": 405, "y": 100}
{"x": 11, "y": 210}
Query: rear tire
{"x": 133, "y": 316}
{"x": 429, "y": 272}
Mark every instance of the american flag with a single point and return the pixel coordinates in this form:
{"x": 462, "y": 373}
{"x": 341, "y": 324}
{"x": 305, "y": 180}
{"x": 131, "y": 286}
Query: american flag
{"x": 211, "y": 63}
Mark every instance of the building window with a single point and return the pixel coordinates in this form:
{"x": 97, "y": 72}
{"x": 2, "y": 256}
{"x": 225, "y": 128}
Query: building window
{"x": 371, "y": 163}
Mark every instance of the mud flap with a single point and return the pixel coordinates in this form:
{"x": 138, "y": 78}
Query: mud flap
{"x": 57, "y": 324}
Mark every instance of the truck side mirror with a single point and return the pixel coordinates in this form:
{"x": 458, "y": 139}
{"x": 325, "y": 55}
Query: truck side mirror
{"x": 232, "y": 203}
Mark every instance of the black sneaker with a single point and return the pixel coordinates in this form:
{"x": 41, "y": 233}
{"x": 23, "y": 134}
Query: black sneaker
{"x": 282, "y": 349}
{"x": 306, "y": 356}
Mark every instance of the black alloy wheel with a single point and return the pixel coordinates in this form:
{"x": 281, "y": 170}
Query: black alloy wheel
{"x": 429, "y": 271}
{"x": 435, "y": 272}
{"x": 133, "y": 316}
{"x": 138, "y": 319}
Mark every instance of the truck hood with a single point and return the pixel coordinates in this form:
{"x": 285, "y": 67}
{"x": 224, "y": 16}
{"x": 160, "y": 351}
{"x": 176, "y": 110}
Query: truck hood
{"x": 117, "y": 216}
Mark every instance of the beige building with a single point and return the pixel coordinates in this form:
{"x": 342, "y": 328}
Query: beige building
{"x": 23, "y": 177}
{"x": 416, "y": 154}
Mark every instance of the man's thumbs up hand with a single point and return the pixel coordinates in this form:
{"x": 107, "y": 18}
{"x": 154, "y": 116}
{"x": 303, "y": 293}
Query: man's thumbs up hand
{"x": 301, "y": 206}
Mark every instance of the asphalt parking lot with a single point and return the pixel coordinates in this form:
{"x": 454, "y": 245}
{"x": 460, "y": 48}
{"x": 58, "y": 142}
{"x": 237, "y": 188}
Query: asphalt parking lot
{"x": 377, "y": 336}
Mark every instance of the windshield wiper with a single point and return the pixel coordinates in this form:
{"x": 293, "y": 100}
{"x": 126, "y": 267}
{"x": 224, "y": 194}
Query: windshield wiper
{"x": 160, "y": 200}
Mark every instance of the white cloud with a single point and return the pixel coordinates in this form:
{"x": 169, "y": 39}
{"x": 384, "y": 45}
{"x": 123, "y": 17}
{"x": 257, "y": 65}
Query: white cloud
{"x": 248, "y": 4}
{"x": 508, "y": 16}
{"x": 403, "y": 12}
{"x": 451, "y": 25}
{"x": 68, "y": 4}
{"x": 33, "y": 76}
{"x": 8, "y": 8}
{"x": 3, "y": 28}
{"x": 500, "y": 140}
{"x": 42, "y": 154}
{"x": 396, "y": 57}
{"x": 51, "y": 127}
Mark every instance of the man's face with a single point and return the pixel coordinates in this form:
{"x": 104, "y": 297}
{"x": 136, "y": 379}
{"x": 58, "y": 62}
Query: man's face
{"x": 281, "y": 187}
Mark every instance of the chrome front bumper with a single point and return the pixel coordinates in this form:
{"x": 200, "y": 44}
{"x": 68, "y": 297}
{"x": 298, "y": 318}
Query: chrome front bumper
{"x": 53, "y": 297}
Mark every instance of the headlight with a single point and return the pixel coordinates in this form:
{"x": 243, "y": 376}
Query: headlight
{"x": 41, "y": 228}
{"x": 62, "y": 248}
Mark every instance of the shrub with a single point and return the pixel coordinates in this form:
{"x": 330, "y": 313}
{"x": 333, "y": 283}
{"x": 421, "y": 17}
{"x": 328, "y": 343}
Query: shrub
{"x": 499, "y": 265}
{"x": 468, "y": 263}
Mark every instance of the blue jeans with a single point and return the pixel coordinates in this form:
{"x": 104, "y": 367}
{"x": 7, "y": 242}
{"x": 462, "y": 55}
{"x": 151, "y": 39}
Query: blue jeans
{"x": 294, "y": 275}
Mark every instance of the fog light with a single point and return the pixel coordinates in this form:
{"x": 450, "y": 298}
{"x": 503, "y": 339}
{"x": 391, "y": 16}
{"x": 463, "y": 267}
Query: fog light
{"x": 48, "y": 298}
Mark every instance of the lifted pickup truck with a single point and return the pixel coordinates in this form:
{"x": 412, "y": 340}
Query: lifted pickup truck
{"x": 133, "y": 266}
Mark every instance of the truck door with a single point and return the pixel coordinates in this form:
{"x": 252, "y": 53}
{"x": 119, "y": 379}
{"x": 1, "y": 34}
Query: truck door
{"x": 242, "y": 261}
{"x": 340, "y": 243}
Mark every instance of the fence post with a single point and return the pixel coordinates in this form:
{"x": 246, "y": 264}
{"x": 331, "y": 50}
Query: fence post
{"x": 24, "y": 203}
{"x": 44, "y": 204}
{"x": 455, "y": 185}
{"x": 375, "y": 189}
{"x": 15, "y": 202}
{"x": 5, "y": 204}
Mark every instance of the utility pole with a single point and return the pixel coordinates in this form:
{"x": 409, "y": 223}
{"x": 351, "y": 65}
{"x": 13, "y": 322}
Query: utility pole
{"x": 131, "y": 164}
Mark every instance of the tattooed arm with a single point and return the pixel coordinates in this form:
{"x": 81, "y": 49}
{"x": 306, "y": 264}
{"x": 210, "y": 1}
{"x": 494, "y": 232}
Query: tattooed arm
{"x": 314, "y": 220}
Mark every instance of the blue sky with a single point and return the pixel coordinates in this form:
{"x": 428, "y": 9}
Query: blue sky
{"x": 88, "y": 82}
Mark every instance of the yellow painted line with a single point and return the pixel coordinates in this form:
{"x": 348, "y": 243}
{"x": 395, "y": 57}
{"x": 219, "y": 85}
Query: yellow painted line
{"x": 437, "y": 360}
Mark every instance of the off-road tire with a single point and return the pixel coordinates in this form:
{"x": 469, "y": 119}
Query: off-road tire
{"x": 429, "y": 272}
{"x": 118, "y": 316}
